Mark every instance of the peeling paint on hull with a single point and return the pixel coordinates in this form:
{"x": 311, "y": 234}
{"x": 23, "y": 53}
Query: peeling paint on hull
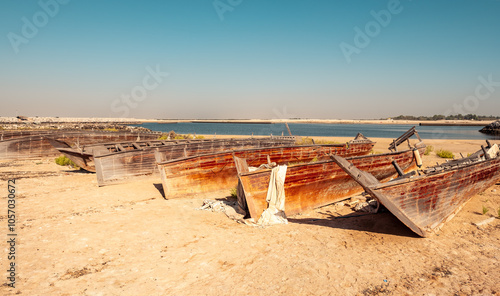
{"x": 216, "y": 172}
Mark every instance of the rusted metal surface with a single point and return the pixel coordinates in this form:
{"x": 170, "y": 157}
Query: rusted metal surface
{"x": 316, "y": 184}
{"x": 120, "y": 166}
{"x": 216, "y": 172}
{"x": 38, "y": 144}
{"x": 425, "y": 202}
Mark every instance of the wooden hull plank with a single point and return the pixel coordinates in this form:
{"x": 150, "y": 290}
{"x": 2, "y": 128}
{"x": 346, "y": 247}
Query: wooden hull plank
{"x": 313, "y": 185}
{"x": 36, "y": 145}
{"x": 118, "y": 167}
{"x": 214, "y": 172}
{"x": 424, "y": 203}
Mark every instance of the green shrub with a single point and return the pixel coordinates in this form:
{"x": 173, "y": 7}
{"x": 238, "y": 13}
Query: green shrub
{"x": 303, "y": 141}
{"x": 64, "y": 161}
{"x": 444, "y": 153}
{"x": 485, "y": 210}
{"x": 428, "y": 150}
{"x": 163, "y": 137}
{"x": 234, "y": 192}
{"x": 174, "y": 136}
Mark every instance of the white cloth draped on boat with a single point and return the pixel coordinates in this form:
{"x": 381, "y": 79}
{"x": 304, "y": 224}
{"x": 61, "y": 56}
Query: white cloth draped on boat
{"x": 275, "y": 213}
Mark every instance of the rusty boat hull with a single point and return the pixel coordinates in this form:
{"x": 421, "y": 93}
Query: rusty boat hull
{"x": 316, "y": 184}
{"x": 217, "y": 172}
{"x": 122, "y": 166}
{"x": 427, "y": 201}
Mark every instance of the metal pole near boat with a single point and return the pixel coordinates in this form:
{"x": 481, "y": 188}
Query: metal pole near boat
{"x": 486, "y": 155}
{"x": 398, "y": 168}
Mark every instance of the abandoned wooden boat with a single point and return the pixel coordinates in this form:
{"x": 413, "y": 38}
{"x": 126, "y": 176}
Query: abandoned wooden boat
{"x": 119, "y": 166}
{"x": 11, "y": 134}
{"x": 427, "y": 200}
{"x": 84, "y": 156}
{"x": 26, "y": 147}
{"x": 37, "y": 145}
{"x": 217, "y": 172}
{"x": 316, "y": 184}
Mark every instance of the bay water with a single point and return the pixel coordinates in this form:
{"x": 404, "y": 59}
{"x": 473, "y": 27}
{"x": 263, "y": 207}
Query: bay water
{"x": 321, "y": 130}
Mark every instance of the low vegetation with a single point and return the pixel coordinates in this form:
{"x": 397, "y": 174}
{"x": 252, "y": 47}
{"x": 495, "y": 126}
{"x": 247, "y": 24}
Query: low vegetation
{"x": 485, "y": 210}
{"x": 445, "y": 153}
{"x": 174, "y": 136}
{"x": 428, "y": 150}
{"x": 234, "y": 192}
{"x": 64, "y": 161}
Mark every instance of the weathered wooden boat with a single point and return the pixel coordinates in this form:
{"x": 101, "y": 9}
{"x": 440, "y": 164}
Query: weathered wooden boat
{"x": 83, "y": 156}
{"x": 316, "y": 184}
{"x": 10, "y": 134}
{"x": 118, "y": 166}
{"x": 427, "y": 200}
{"x": 26, "y": 147}
{"x": 37, "y": 145}
{"x": 217, "y": 172}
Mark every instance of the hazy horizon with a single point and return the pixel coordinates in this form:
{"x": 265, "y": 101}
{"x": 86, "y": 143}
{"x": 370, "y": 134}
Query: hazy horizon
{"x": 249, "y": 59}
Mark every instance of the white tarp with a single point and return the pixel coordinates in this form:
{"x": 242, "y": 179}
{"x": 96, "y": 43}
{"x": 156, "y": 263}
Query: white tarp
{"x": 493, "y": 151}
{"x": 275, "y": 213}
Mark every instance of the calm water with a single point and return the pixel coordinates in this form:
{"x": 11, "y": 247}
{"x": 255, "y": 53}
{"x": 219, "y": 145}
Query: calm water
{"x": 320, "y": 130}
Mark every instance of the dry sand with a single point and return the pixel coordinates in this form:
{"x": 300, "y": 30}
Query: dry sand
{"x": 75, "y": 238}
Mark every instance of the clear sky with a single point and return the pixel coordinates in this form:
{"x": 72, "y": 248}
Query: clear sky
{"x": 249, "y": 58}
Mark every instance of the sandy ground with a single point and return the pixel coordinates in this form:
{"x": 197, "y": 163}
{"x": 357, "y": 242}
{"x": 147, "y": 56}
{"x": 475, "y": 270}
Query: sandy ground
{"x": 74, "y": 238}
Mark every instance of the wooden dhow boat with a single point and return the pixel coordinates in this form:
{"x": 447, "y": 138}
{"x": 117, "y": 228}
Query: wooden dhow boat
{"x": 316, "y": 184}
{"x": 83, "y": 156}
{"x": 214, "y": 172}
{"x": 11, "y": 134}
{"x": 427, "y": 200}
{"x": 38, "y": 144}
{"x": 119, "y": 166}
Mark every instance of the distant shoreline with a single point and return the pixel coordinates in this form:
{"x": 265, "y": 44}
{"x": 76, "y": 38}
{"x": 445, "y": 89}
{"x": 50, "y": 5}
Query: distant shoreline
{"x": 55, "y": 120}
{"x": 332, "y": 121}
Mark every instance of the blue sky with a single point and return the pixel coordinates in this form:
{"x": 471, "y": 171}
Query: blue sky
{"x": 249, "y": 58}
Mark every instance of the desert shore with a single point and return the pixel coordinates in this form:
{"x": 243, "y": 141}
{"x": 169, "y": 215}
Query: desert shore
{"x": 74, "y": 238}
